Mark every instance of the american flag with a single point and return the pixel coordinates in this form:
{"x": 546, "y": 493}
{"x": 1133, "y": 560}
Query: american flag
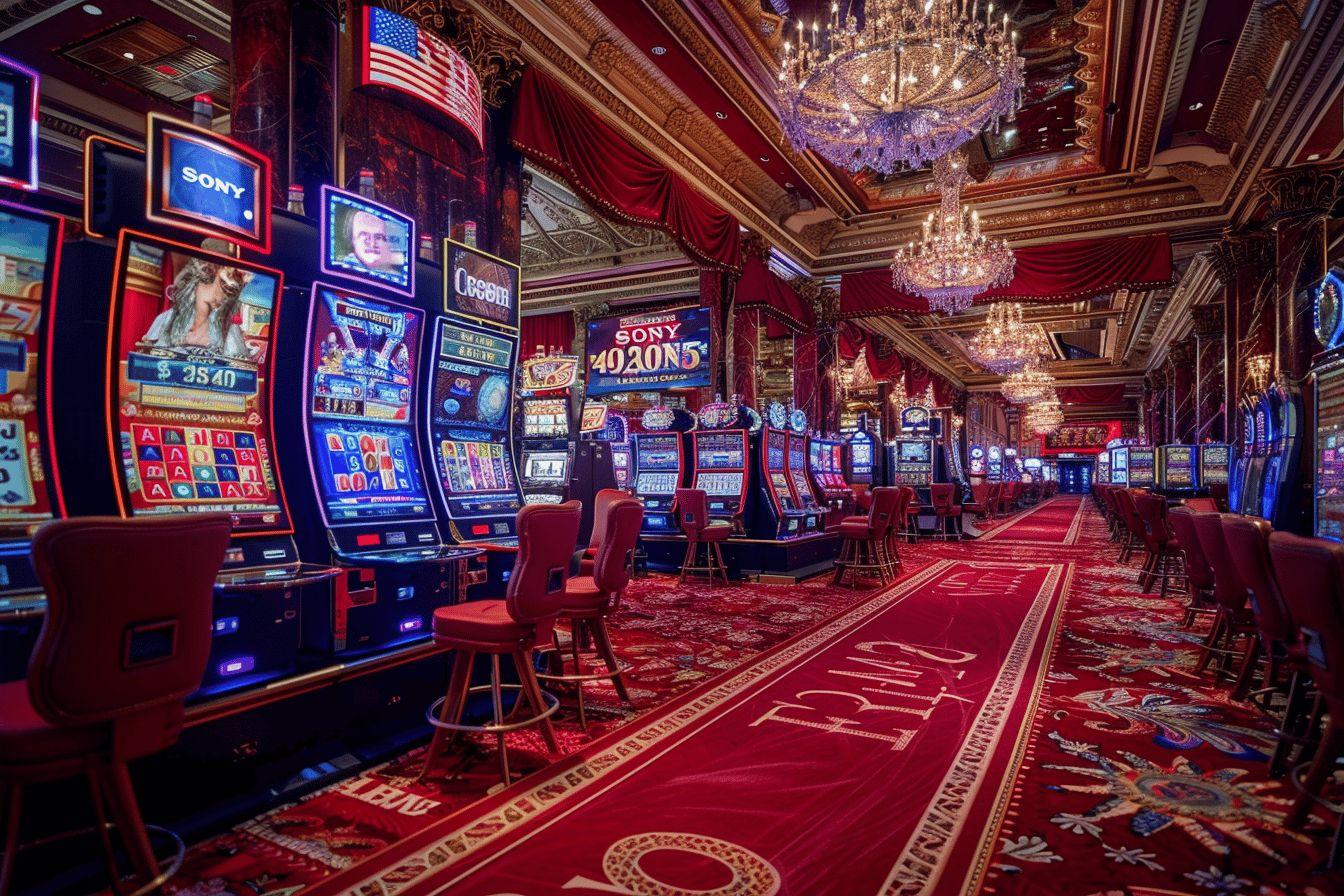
{"x": 405, "y": 57}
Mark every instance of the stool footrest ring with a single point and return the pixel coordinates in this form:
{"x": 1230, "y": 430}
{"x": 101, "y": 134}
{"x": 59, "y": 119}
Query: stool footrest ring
{"x": 552, "y": 704}
{"x": 622, "y": 669}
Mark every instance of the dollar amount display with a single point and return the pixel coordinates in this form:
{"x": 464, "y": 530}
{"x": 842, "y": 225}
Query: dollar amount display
{"x": 191, "y": 374}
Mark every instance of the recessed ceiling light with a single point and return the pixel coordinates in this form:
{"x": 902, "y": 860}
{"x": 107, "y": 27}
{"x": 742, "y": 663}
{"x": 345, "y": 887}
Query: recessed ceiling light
{"x": 91, "y": 9}
{"x": 720, "y": 115}
{"x": 1042, "y": 130}
{"x": 129, "y": 55}
{"x": 765, "y": 158}
{"x": 1314, "y": 157}
{"x": 1195, "y": 107}
{"x": 1010, "y": 133}
{"x": 659, "y": 51}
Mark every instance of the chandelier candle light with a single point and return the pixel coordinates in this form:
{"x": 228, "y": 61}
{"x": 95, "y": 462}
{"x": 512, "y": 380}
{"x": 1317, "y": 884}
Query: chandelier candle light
{"x": 919, "y": 79}
{"x": 1006, "y": 344}
{"x": 953, "y": 262}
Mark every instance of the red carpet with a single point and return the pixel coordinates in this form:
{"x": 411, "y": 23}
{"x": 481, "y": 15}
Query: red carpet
{"x": 1056, "y": 521}
{"x": 781, "y": 771}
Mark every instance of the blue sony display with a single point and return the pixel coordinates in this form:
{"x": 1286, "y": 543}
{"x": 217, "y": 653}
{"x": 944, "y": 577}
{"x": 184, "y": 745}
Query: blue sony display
{"x": 208, "y": 183}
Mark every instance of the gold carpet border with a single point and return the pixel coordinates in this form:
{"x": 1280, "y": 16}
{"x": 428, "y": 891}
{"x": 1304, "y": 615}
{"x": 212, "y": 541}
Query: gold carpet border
{"x": 500, "y": 821}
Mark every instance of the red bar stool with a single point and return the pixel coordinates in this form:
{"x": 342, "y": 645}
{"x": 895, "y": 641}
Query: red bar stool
{"x": 1233, "y": 620}
{"x": 1198, "y": 574}
{"x": 124, "y": 644}
{"x": 1161, "y": 554}
{"x": 1310, "y": 572}
{"x": 602, "y": 502}
{"x": 906, "y": 523}
{"x": 982, "y": 504}
{"x": 692, "y": 505}
{"x": 866, "y": 546}
{"x": 1133, "y": 525}
{"x": 946, "y": 508}
{"x": 863, "y": 497}
{"x": 515, "y": 625}
{"x": 590, "y": 599}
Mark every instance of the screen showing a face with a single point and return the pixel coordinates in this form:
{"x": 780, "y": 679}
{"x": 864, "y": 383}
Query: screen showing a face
{"x": 191, "y": 350}
{"x": 366, "y": 240}
{"x": 28, "y": 250}
{"x": 362, "y": 356}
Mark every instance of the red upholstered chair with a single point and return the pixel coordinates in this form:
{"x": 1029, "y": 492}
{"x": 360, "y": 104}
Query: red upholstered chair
{"x": 866, "y": 547}
{"x": 1198, "y": 574}
{"x": 590, "y": 599}
{"x": 907, "y": 516}
{"x": 514, "y": 626}
{"x": 692, "y": 507}
{"x": 1161, "y": 558}
{"x": 1133, "y": 524}
{"x": 601, "y": 502}
{"x": 1310, "y": 573}
{"x": 863, "y": 497}
{"x": 125, "y": 642}
{"x": 1233, "y": 621}
{"x": 982, "y": 503}
{"x": 946, "y": 507}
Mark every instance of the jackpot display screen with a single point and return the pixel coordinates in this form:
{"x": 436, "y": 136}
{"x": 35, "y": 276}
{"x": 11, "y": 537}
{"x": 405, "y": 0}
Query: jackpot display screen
{"x": 191, "y": 354}
{"x": 28, "y": 252}
{"x": 362, "y": 354}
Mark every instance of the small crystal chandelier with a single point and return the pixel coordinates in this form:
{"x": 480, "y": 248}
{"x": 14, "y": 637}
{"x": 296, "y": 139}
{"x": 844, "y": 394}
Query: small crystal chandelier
{"x": 1043, "y": 417}
{"x": 953, "y": 262}
{"x": 919, "y": 79}
{"x": 1028, "y": 385}
{"x": 1006, "y": 344}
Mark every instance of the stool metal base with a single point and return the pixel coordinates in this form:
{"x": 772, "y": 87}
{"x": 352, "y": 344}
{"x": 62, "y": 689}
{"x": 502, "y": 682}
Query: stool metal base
{"x": 579, "y": 677}
{"x": 552, "y": 704}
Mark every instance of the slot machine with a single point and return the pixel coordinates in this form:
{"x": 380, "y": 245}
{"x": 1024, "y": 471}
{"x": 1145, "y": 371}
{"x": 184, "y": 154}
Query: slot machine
{"x": 826, "y": 459}
{"x": 1103, "y": 468}
{"x": 1214, "y": 465}
{"x": 800, "y": 480}
{"x": 863, "y": 456}
{"x": 1032, "y": 467}
{"x": 995, "y": 463}
{"x": 1236, "y": 485}
{"x": 661, "y": 465}
{"x": 1177, "y": 468}
{"x": 616, "y": 433}
{"x": 1142, "y": 467}
{"x": 1261, "y": 429}
{"x": 1327, "y": 375}
{"x": 720, "y": 448}
{"x": 910, "y": 461}
{"x": 1278, "y": 497}
{"x": 591, "y": 467}
{"x": 547, "y": 454}
{"x": 779, "y": 513}
{"x": 30, "y": 492}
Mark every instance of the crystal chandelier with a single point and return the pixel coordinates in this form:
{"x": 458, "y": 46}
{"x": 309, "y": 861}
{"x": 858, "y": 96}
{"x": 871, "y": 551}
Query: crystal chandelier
{"x": 1028, "y": 385}
{"x": 919, "y": 79}
{"x": 1043, "y": 417}
{"x": 953, "y": 262}
{"x": 1005, "y": 343}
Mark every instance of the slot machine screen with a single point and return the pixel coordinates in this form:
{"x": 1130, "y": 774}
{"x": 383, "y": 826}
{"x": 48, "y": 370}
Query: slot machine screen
{"x": 545, "y": 418}
{"x": 29, "y": 244}
{"x": 1178, "y": 466}
{"x": 916, "y": 452}
{"x": 367, "y": 241}
{"x": 1214, "y": 464}
{"x": 191, "y": 350}
{"x": 798, "y": 469}
{"x": 720, "y": 451}
{"x": 362, "y": 355}
{"x": 657, "y": 464}
{"x": 1141, "y": 466}
{"x": 1329, "y": 444}
{"x": 467, "y": 466}
{"x": 545, "y": 466}
{"x": 1120, "y": 467}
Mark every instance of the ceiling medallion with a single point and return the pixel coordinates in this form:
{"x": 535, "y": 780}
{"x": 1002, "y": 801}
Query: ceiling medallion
{"x": 1028, "y": 385}
{"x": 919, "y": 79}
{"x": 953, "y": 262}
{"x": 1006, "y": 344}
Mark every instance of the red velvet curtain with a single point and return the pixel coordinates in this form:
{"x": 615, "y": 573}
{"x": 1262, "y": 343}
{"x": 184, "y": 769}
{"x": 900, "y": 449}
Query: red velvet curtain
{"x": 850, "y": 341}
{"x": 762, "y": 288}
{"x": 1061, "y": 271}
{"x": 553, "y": 332}
{"x": 560, "y": 134}
{"x": 1110, "y": 393}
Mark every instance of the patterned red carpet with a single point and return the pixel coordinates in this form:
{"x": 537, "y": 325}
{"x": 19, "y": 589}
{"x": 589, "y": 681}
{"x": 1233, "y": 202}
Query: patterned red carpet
{"x": 1130, "y": 776}
{"x": 1053, "y": 522}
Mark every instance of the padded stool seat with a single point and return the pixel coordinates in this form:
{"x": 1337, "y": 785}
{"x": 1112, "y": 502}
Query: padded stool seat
{"x": 27, "y": 737}
{"x": 854, "y": 527}
{"x": 717, "y": 530}
{"x": 479, "y": 622}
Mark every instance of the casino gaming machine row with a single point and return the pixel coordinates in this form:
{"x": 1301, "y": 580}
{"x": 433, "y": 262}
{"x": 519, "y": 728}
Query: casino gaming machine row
{"x": 1327, "y": 375}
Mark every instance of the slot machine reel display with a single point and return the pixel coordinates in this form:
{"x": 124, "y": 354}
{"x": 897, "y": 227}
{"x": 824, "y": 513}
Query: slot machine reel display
{"x": 547, "y": 454}
{"x": 1177, "y": 468}
{"x": 1214, "y": 465}
{"x": 720, "y": 451}
{"x": 29, "y": 492}
{"x": 660, "y": 466}
{"x": 191, "y": 355}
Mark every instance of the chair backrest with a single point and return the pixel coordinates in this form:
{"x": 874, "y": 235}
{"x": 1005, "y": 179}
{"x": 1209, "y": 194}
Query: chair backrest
{"x": 547, "y": 534}
{"x": 1152, "y": 510}
{"x": 616, "y": 555}
{"x": 863, "y": 496}
{"x": 888, "y": 504}
{"x": 908, "y": 497}
{"x": 1247, "y": 540}
{"x": 1182, "y": 521}
{"x": 692, "y": 509}
{"x": 942, "y": 496}
{"x": 981, "y": 493}
{"x": 128, "y": 627}
{"x": 602, "y": 502}
{"x": 1228, "y": 588}
{"x": 1129, "y": 512}
{"x": 1310, "y": 572}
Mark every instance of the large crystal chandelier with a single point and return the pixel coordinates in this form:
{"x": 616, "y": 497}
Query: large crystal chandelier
{"x": 1006, "y": 344}
{"x": 1028, "y": 385}
{"x": 919, "y": 79}
{"x": 953, "y": 262}
{"x": 1044, "y": 417}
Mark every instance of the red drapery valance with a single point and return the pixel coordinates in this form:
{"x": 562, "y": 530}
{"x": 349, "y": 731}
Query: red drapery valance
{"x": 553, "y": 332}
{"x": 560, "y": 134}
{"x": 1072, "y": 270}
{"x": 1109, "y": 393}
{"x": 762, "y": 288}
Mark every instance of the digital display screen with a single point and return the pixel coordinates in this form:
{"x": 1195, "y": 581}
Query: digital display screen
{"x": 1214, "y": 464}
{"x": 545, "y": 466}
{"x": 720, "y": 450}
{"x": 28, "y": 246}
{"x": 723, "y": 485}
{"x": 18, "y": 125}
{"x": 916, "y": 452}
{"x": 656, "y": 483}
{"x": 545, "y": 418}
{"x": 1328, "y": 487}
{"x": 640, "y": 351}
{"x": 479, "y": 286}
{"x": 368, "y": 241}
{"x": 466, "y": 466}
{"x": 192, "y": 355}
{"x": 1141, "y": 466}
{"x": 362, "y": 355}
{"x": 207, "y": 183}
{"x": 657, "y": 452}
{"x": 472, "y": 378}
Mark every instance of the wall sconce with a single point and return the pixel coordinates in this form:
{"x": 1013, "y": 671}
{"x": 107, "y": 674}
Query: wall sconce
{"x": 1257, "y": 371}
{"x": 957, "y": 422}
